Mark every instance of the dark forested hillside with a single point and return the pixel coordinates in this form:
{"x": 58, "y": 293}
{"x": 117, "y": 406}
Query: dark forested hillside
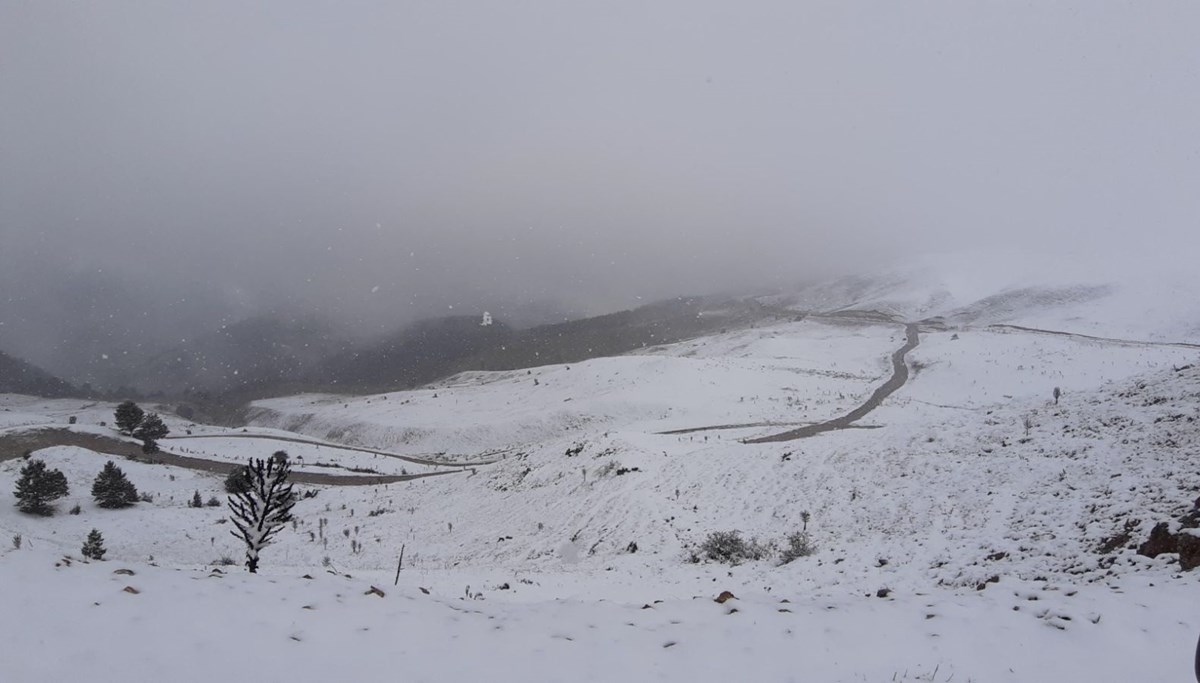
{"x": 19, "y": 377}
{"x": 433, "y": 349}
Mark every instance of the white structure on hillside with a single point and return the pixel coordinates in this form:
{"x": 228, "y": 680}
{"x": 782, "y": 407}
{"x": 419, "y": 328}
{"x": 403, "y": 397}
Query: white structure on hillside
{"x": 487, "y": 319}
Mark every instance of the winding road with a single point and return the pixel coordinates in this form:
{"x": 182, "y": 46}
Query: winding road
{"x": 310, "y": 442}
{"x": 1089, "y": 337}
{"x": 14, "y": 445}
{"x": 897, "y": 380}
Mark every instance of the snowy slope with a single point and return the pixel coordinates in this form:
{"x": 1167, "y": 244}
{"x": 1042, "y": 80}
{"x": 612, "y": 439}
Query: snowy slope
{"x": 201, "y": 626}
{"x": 951, "y": 498}
{"x": 1104, "y": 295}
{"x": 757, "y": 375}
{"x": 983, "y": 510}
{"x": 705, "y": 480}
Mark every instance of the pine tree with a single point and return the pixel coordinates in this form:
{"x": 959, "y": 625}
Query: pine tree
{"x": 263, "y": 508}
{"x": 238, "y": 480}
{"x": 93, "y": 547}
{"x": 128, "y": 416}
{"x": 112, "y": 489}
{"x": 38, "y": 486}
{"x": 197, "y": 501}
{"x": 150, "y": 431}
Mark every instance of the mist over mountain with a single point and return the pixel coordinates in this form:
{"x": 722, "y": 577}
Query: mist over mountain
{"x": 268, "y": 355}
{"x": 19, "y": 377}
{"x": 172, "y": 168}
{"x": 253, "y": 352}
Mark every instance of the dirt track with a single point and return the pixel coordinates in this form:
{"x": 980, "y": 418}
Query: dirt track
{"x": 14, "y": 445}
{"x": 897, "y": 380}
{"x": 1088, "y": 337}
{"x": 295, "y": 439}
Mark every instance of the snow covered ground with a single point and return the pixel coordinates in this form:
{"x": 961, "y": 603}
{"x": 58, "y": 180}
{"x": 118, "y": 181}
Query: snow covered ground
{"x": 20, "y": 412}
{"x": 195, "y": 625}
{"x": 970, "y": 501}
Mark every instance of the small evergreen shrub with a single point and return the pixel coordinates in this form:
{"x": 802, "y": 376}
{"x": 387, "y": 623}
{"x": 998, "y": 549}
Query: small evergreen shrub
{"x": 75, "y": 510}
{"x": 93, "y": 547}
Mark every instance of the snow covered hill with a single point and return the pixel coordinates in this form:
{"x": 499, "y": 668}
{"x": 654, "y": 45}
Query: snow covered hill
{"x": 1126, "y": 296}
{"x": 981, "y": 524}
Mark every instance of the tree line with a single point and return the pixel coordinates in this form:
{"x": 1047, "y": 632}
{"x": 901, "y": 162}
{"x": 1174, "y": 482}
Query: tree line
{"x": 260, "y": 500}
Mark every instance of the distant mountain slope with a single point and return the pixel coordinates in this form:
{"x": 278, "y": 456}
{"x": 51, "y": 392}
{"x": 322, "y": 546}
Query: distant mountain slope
{"x": 1152, "y": 299}
{"x": 19, "y": 377}
{"x": 433, "y": 349}
{"x": 255, "y": 352}
{"x": 418, "y": 353}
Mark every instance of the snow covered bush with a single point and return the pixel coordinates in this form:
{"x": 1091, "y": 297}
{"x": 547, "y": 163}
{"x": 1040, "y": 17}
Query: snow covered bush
{"x": 112, "y": 489}
{"x": 797, "y": 545}
{"x": 264, "y": 507}
{"x": 38, "y": 486}
{"x": 606, "y": 469}
{"x": 728, "y": 547}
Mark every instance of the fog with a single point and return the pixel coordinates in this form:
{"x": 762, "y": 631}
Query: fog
{"x": 166, "y": 167}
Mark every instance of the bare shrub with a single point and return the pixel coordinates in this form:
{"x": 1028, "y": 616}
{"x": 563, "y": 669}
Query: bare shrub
{"x": 728, "y": 547}
{"x": 607, "y": 469}
{"x": 796, "y": 545}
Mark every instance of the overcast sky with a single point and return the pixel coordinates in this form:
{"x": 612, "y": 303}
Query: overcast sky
{"x": 387, "y": 159}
